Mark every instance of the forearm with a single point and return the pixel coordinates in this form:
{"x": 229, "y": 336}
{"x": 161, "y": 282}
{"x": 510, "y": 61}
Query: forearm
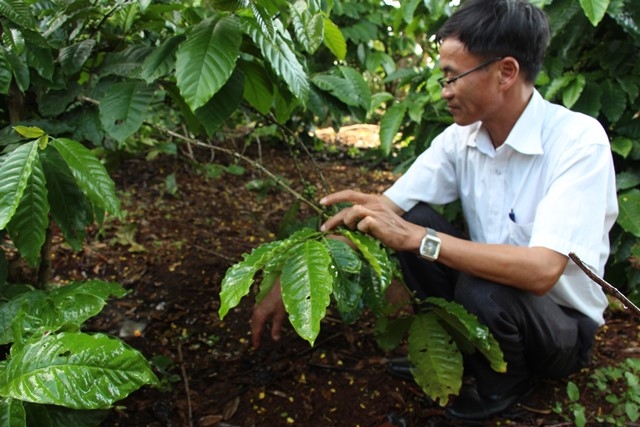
{"x": 533, "y": 269}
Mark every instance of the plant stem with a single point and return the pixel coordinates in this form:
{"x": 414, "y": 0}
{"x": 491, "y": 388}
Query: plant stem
{"x": 246, "y": 159}
{"x": 608, "y": 288}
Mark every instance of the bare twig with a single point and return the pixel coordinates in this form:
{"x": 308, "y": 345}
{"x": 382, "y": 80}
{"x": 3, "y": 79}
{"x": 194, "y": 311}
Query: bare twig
{"x": 246, "y": 159}
{"x": 608, "y": 288}
{"x": 185, "y": 380}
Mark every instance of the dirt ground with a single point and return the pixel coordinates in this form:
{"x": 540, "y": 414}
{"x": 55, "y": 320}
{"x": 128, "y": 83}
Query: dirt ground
{"x": 172, "y": 250}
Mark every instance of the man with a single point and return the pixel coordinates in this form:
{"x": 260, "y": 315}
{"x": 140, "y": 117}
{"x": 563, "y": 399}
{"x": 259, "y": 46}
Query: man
{"x": 536, "y": 182}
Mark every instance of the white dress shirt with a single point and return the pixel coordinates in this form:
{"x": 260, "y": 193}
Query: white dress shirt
{"x": 551, "y": 184}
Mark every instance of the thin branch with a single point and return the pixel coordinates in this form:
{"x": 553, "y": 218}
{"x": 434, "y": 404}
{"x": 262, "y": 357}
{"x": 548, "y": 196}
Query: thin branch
{"x": 185, "y": 380}
{"x": 608, "y": 288}
{"x": 246, "y": 159}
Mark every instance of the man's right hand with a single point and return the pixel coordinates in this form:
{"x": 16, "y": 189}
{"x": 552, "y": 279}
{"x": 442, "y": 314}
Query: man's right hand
{"x": 271, "y": 308}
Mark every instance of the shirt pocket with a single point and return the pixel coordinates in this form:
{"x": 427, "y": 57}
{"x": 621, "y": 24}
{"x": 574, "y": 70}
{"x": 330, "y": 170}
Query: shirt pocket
{"x": 519, "y": 234}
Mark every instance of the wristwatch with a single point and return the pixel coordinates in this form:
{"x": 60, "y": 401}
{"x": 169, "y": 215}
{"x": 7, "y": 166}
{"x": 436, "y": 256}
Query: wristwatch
{"x": 430, "y": 246}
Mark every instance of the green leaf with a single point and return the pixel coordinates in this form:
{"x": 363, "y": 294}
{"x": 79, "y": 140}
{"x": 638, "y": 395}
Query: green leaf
{"x": 224, "y": 103}
{"x": 594, "y": 9}
{"x": 258, "y": 88}
{"x": 281, "y": 58}
{"x": 124, "y": 108}
{"x": 12, "y": 413}
{"x": 374, "y": 254}
{"x": 5, "y": 73}
{"x": 334, "y": 40}
{"x": 239, "y": 277}
{"x": 76, "y": 370}
{"x": 73, "y": 57}
{"x": 346, "y": 84}
{"x": 90, "y": 175}
{"x": 207, "y": 59}
{"x": 308, "y": 27}
{"x": 306, "y": 287}
{"x": 390, "y": 125}
{"x": 622, "y": 146}
{"x": 28, "y": 226}
{"x": 30, "y": 132}
{"x": 162, "y": 60}
{"x": 629, "y": 217}
{"x": 573, "y": 392}
{"x": 467, "y": 327}
{"x": 69, "y": 207}
{"x": 614, "y": 101}
{"x": 572, "y": 91}
{"x": 347, "y": 290}
{"x": 18, "y": 12}
{"x": 436, "y": 361}
{"x": 20, "y": 71}
{"x": 627, "y": 180}
{"x": 14, "y": 176}
{"x": 44, "y": 311}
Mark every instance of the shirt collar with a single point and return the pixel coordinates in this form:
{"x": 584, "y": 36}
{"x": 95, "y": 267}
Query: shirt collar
{"x": 525, "y": 137}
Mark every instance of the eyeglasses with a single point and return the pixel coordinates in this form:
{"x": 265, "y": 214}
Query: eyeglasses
{"x": 444, "y": 82}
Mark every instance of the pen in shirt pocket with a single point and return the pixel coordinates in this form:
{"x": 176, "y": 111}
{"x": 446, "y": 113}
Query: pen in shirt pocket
{"x": 512, "y": 216}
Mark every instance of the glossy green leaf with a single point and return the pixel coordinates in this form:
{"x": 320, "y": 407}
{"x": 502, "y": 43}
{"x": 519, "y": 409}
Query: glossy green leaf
{"x": 334, "y": 40}
{"x": 89, "y": 173}
{"x": 5, "y": 73}
{"x": 614, "y": 101}
{"x": 308, "y": 27}
{"x": 14, "y": 176}
{"x": 629, "y": 217}
{"x": 224, "y": 103}
{"x": 28, "y": 226}
{"x": 124, "y": 108}
{"x": 306, "y": 287}
{"x": 373, "y": 252}
{"x": 595, "y": 9}
{"x": 258, "y": 88}
{"x": 390, "y": 126}
{"x": 470, "y": 330}
{"x": 30, "y": 132}
{"x": 346, "y": 84}
{"x": 12, "y": 413}
{"x": 74, "y": 57}
{"x": 239, "y": 277}
{"x": 573, "y": 90}
{"x": 69, "y": 207}
{"x": 67, "y": 306}
{"x": 264, "y": 20}
{"x": 436, "y": 362}
{"x": 207, "y": 58}
{"x": 162, "y": 60}
{"x": 282, "y": 59}
{"x": 347, "y": 290}
{"x": 18, "y": 12}
{"x": 76, "y": 370}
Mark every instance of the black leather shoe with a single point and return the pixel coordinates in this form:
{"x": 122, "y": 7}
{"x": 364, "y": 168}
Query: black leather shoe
{"x": 470, "y": 405}
{"x": 400, "y": 368}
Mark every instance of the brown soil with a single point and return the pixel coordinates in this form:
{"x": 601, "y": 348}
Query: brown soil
{"x": 172, "y": 252}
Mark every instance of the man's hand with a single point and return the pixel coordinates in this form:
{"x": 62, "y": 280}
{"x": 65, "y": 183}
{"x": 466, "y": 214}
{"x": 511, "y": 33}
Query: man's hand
{"x": 271, "y": 308}
{"x": 375, "y": 215}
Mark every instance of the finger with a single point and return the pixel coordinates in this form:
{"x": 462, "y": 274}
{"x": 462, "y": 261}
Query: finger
{"x": 352, "y": 196}
{"x": 276, "y": 327}
{"x": 257, "y": 326}
{"x": 334, "y": 221}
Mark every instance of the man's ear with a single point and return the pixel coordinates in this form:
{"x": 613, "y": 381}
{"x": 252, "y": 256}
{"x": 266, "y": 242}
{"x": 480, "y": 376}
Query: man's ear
{"x": 509, "y": 71}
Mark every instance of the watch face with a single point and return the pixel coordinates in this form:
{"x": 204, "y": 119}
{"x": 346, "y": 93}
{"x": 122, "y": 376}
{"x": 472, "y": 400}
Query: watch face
{"x": 430, "y": 247}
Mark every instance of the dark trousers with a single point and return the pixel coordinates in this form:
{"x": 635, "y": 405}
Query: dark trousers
{"x": 538, "y": 337}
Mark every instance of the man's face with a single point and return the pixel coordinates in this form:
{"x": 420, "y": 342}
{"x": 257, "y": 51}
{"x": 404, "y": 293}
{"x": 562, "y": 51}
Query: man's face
{"x": 473, "y": 96}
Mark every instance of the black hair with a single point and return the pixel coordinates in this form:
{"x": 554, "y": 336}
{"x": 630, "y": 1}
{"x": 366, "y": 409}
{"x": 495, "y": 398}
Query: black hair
{"x": 499, "y": 28}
